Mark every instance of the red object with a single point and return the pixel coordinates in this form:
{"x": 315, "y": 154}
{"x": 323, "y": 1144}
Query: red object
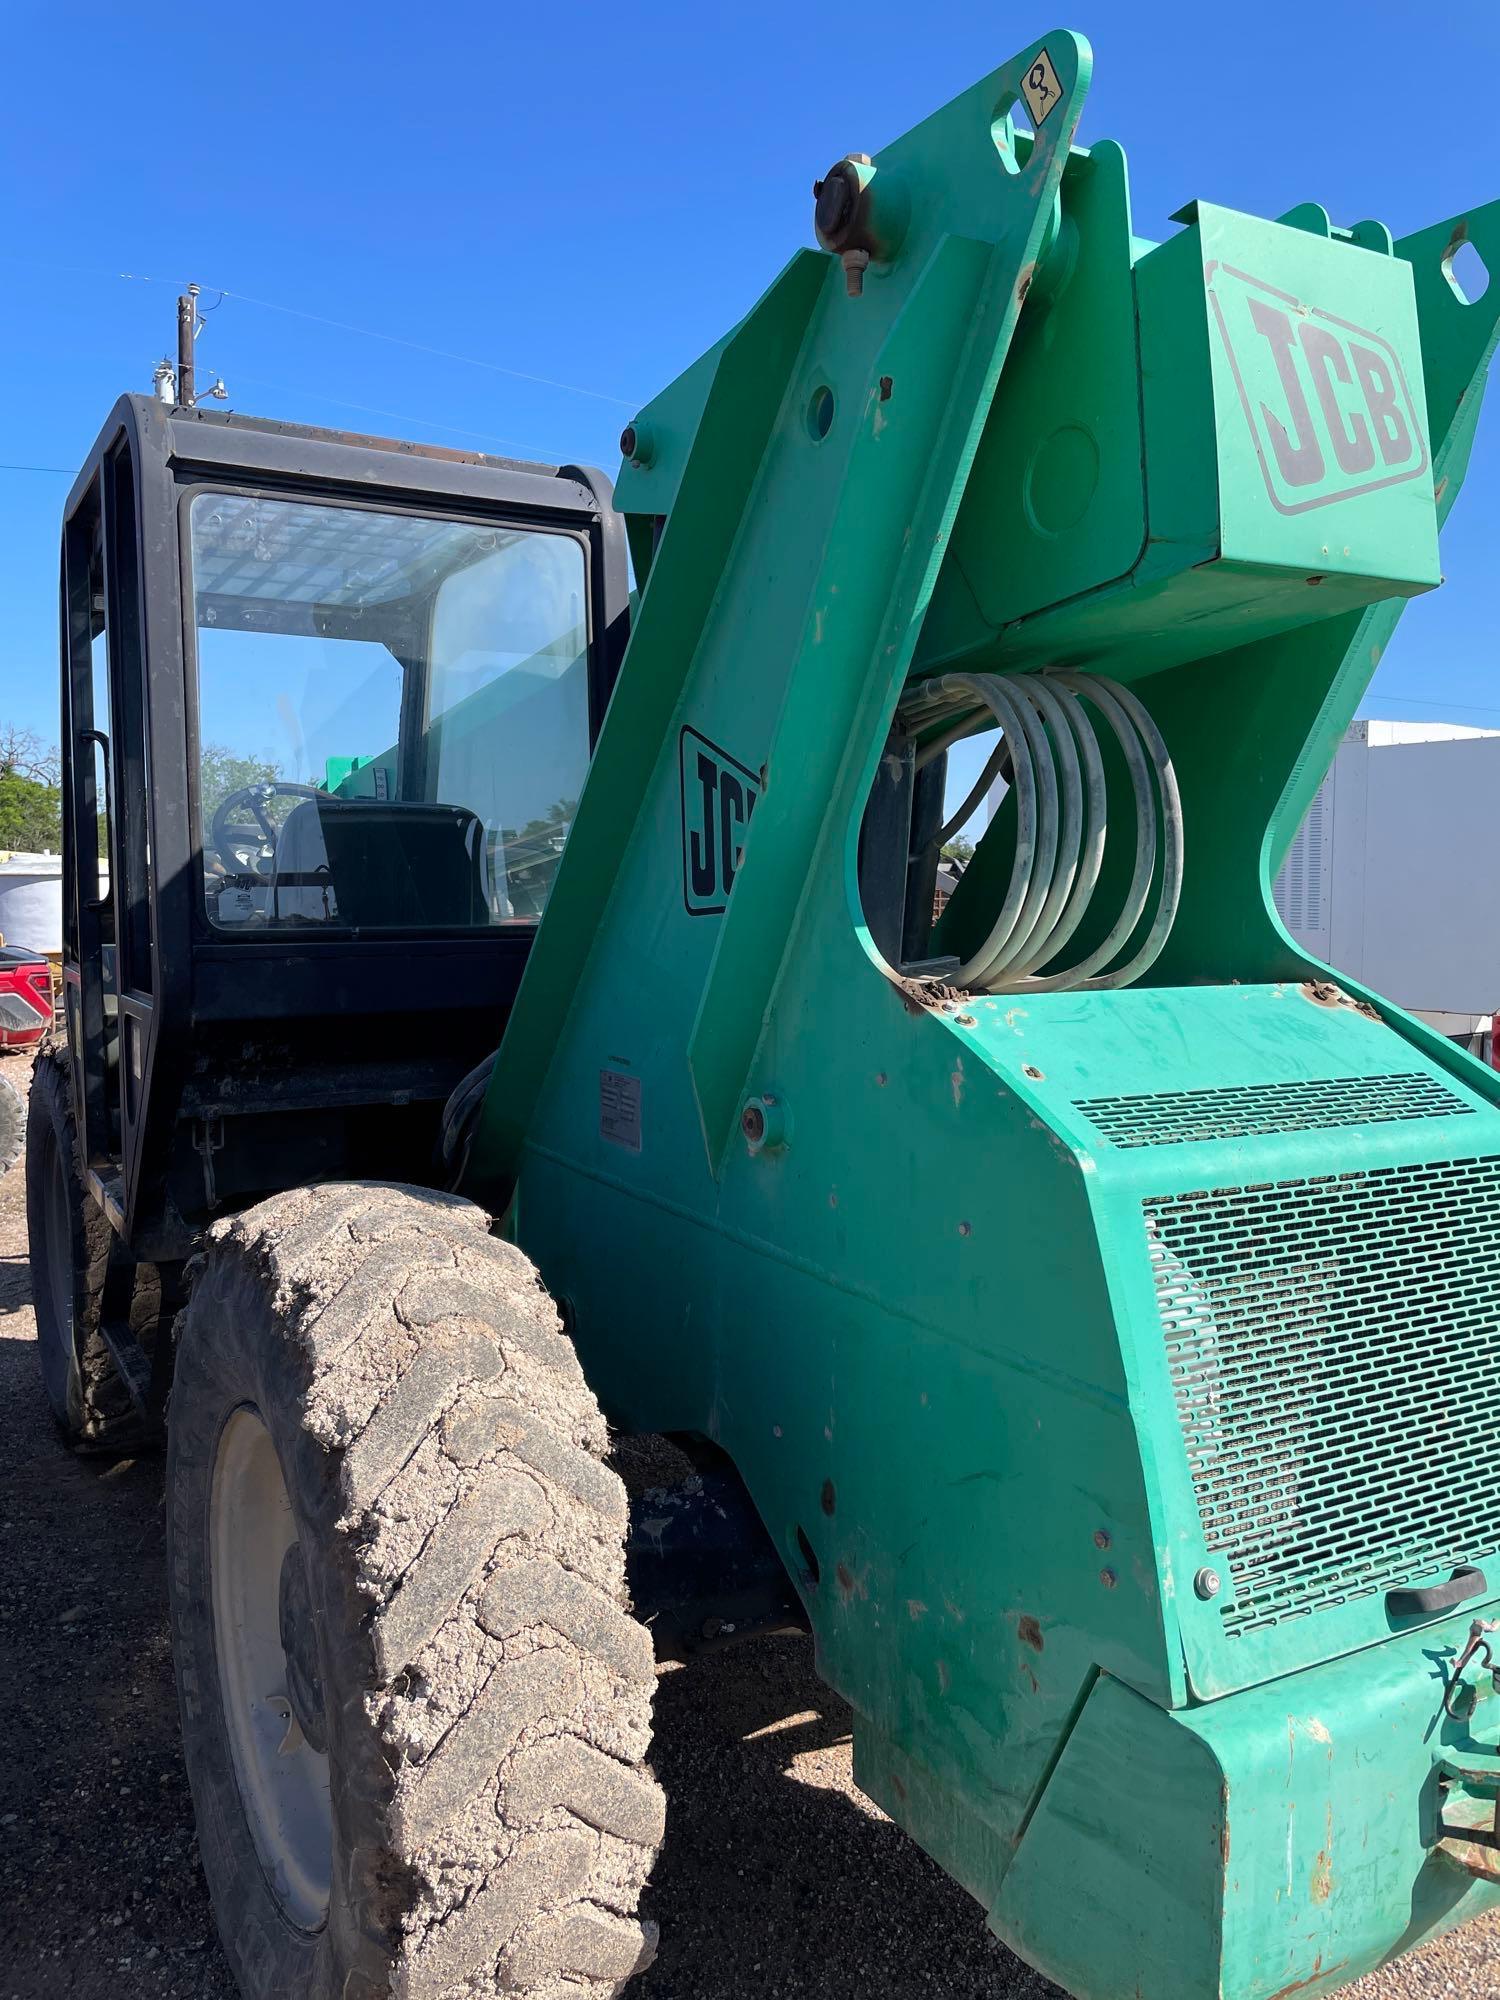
{"x": 25, "y": 998}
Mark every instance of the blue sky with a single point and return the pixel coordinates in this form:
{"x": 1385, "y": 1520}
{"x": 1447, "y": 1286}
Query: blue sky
{"x": 585, "y": 198}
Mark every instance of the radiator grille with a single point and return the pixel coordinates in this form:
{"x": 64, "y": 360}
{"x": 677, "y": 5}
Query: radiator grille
{"x": 1334, "y": 1347}
{"x": 1246, "y": 1110}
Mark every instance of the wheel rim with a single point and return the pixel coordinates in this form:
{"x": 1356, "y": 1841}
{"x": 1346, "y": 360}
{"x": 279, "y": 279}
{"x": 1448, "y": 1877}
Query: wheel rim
{"x": 265, "y": 1650}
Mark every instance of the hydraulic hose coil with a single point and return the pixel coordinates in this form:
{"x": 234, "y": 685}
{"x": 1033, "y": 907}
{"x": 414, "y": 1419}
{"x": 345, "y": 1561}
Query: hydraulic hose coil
{"x": 1050, "y": 752}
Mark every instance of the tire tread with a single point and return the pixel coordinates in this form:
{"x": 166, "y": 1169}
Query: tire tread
{"x": 516, "y": 1820}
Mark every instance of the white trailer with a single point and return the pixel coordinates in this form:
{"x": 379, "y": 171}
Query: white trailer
{"x": 1391, "y": 877}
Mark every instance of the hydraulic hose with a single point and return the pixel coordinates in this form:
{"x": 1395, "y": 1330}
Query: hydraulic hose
{"x": 1049, "y": 752}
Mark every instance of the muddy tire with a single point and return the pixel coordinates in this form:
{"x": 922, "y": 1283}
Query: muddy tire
{"x": 444, "y": 1591}
{"x": 12, "y": 1124}
{"x": 71, "y": 1244}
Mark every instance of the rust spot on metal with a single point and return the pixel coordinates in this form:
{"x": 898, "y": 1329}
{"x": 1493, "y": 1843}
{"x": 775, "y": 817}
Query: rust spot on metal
{"x": 1031, "y": 1633}
{"x": 1324, "y": 993}
{"x": 926, "y": 996}
{"x": 1317, "y": 1973}
{"x": 1024, "y": 282}
{"x": 897, "y": 1787}
{"x": 943, "y": 1676}
{"x": 845, "y": 1578}
{"x": 1322, "y": 1875}
{"x": 827, "y": 1499}
{"x": 1481, "y": 1862}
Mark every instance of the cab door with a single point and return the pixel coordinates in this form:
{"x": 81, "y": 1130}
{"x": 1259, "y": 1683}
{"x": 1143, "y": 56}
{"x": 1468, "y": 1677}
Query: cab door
{"x": 109, "y": 973}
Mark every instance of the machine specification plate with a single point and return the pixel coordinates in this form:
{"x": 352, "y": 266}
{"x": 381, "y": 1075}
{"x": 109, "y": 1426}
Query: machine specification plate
{"x": 620, "y": 1109}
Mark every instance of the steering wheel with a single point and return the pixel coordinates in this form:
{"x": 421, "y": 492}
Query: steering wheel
{"x": 248, "y": 845}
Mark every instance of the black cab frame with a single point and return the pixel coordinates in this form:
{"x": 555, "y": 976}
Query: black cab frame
{"x": 208, "y": 1062}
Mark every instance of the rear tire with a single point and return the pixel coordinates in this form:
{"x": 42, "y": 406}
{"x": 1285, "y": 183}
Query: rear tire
{"x": 71, "y": 1244}
{"x": 463, "y": 1648}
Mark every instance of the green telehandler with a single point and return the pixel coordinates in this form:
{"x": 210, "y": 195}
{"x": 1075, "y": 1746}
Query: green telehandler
{"x": 1077, "y": 1307}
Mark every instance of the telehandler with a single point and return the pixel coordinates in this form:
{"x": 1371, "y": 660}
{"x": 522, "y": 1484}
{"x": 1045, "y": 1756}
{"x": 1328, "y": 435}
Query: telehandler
{"x": 1080, "y": 1309}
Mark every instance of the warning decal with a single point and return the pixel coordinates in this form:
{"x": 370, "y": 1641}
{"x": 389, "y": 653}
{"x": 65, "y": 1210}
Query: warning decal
{"x": 1041, "y": 88}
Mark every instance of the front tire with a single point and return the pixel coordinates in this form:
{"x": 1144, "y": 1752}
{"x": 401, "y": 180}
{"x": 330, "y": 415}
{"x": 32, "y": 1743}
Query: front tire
{"x": 386, "y": 1495}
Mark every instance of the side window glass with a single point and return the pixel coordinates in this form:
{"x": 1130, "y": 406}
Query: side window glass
{"x": 99, "y": 677}
{"x": 508, "y": 716}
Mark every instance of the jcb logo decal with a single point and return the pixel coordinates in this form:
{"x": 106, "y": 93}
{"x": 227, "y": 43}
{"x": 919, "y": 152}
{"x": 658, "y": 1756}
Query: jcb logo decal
{"x": 718, "y": 797}
{"x": 1327, "y": 401}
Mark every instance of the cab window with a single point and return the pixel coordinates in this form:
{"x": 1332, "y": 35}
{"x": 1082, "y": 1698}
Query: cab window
{"x": 392, "y": 714}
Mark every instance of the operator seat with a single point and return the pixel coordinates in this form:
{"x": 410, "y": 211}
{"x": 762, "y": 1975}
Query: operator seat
{"x": 301, "y": 881}
{"x": 379, "y": 864}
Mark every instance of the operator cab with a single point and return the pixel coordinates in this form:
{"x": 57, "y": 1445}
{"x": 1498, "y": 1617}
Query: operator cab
{"x": 329, "y": 702}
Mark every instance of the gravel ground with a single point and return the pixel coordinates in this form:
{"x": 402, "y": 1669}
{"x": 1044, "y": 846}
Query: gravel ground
{"x": 778, "y": 1879}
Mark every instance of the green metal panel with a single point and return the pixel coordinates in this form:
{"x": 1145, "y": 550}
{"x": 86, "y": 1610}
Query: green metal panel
{"x": 1228, "y": 393}
{"x": 1307, "y": 1810}
{"x": 1059, "y": 476}
{"x": 1030, "y": 1309}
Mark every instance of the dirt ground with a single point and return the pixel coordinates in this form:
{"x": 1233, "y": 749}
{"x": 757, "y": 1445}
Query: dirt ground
{"x": 778, "y": 1878}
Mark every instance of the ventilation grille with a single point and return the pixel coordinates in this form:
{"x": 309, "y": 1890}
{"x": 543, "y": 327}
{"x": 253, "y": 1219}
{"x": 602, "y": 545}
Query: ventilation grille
{"x": 1247, "y": 1110}
{"x": 1335, "y": 1355}
{"x": 1300, "y": 890}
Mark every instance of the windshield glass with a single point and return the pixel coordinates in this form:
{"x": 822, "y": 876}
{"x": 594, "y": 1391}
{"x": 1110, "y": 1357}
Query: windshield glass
{"x": 392, "y": 714}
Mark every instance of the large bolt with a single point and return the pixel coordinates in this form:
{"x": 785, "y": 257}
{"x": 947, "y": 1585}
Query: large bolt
{"x": 836, "y": 194}
{"x": 1207, "y": 1584}
{"x": 637, "y": 443}
{"x": 861, "y": 214}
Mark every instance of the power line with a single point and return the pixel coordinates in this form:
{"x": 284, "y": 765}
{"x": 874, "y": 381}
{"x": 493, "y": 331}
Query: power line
{"x": 347, "y": 326}
{"x": 1435, "y": 700}
{"x": 422, "y": 347}
{"x": 66, "y": 470}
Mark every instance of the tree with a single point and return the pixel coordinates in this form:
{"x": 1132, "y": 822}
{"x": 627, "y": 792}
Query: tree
{"x": 532, "y": 854}
{"x": 24, "y": 755}
{"x": 960, "y": 850}
{"x": 221, "y": 771}
{"x": 30, "y": 802}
